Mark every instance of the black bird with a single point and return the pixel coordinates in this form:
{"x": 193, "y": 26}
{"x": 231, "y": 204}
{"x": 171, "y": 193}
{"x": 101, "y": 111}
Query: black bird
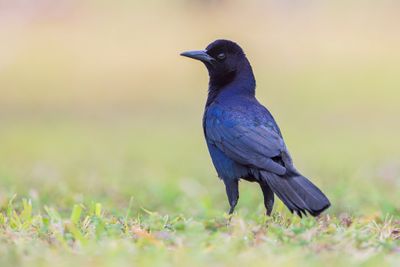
{"x": 243, "y": 138}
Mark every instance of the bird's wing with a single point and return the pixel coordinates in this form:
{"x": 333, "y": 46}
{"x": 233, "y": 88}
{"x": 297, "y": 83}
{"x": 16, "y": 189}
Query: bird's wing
{"x": 245, "y": 142}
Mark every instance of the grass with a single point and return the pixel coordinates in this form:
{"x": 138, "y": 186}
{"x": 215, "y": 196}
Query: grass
{"x": 92, "y": 236}
{"x": 102, "y": 157}
{"x": 116, "y": 195}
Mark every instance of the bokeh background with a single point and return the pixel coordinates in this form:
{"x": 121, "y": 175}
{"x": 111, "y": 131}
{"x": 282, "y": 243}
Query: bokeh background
{"x": 97, "y": 105}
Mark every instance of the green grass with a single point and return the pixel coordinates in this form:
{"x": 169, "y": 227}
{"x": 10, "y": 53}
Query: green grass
{"x": 108, "y": 194}
{"x": 93, "y": 236}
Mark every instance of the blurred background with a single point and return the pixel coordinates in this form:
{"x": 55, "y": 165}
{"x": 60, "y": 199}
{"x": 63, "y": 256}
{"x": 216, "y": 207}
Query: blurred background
{"x": 97, "y": 105}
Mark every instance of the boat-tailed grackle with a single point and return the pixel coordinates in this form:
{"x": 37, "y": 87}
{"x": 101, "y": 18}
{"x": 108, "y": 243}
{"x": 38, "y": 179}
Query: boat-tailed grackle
{"x": 243, "y": 138}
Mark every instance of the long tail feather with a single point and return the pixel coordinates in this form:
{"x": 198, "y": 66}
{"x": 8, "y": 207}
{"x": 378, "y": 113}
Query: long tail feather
{"x": 298, "y": 193}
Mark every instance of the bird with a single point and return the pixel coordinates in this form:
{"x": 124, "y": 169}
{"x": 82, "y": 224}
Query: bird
{"x": 244, "y": 140}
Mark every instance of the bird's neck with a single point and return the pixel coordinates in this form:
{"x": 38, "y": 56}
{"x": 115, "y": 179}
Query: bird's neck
{"x": 242, "y": 84}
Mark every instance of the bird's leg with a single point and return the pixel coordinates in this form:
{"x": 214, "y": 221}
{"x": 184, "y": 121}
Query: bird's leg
{"x": 268, "y": 197}
{"x": 232, "y": 191}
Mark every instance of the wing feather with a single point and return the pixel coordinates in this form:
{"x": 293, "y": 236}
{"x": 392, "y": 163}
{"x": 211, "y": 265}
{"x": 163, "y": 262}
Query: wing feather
{"x": 253, "y": 145}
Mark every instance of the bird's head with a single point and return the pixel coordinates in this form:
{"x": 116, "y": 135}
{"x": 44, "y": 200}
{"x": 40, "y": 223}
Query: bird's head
{"x": 224, "y": 60}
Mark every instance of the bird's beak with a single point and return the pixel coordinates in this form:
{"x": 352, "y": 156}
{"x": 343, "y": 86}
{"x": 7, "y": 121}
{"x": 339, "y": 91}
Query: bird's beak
{"x": 199, "y": 55}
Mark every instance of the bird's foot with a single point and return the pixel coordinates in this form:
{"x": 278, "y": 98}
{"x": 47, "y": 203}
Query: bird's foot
{"x": 268, "y": 212}
{"x": 230, "y": 216}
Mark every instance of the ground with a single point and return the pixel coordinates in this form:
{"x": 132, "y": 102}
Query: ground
{"x": 101, "y": 195}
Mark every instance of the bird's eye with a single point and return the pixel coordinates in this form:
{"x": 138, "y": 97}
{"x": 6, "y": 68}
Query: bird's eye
{"x": 221, "y": 56}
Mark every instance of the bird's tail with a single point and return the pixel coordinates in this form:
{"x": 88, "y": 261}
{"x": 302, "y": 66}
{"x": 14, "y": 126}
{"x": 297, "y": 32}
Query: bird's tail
{"x": 298, "y": 193}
